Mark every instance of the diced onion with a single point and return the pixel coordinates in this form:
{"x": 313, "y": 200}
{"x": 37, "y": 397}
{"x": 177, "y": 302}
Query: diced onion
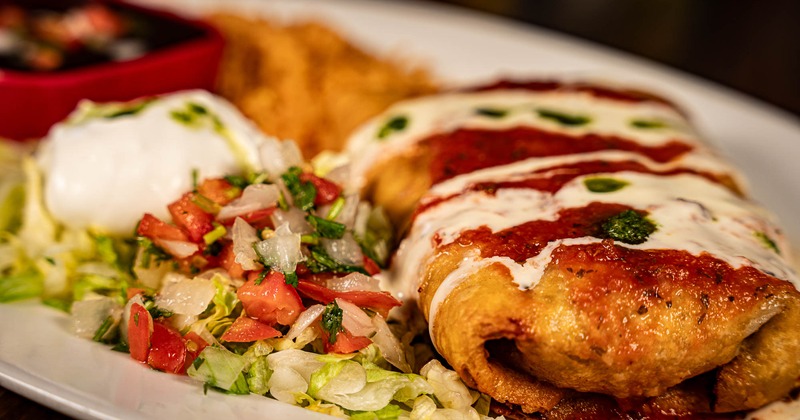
{"x": 294, "y": 219}
{"x": 305, "y": 320}
{"x": 354, "y": 281}
{"x": 89, "y": 314}
{"x": 186, "y": 296}
{"x": 388, "y": 344}
{"x": 254, "y": 197}
{"x": 178, "y": 249}
{"x": 244, "y": 237}
{"x": 344, "y": 251}
{"x": 282, "y": 251}
{"x": 354, "y": 319}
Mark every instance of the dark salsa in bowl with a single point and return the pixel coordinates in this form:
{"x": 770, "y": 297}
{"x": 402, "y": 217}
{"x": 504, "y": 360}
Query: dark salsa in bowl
{"x": 57, "y": 35}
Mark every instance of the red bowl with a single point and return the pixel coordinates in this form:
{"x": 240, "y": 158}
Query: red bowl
{"x": 30, "y": 102}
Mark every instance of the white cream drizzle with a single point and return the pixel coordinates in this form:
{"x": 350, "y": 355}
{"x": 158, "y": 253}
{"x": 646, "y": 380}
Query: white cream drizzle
{"x": 692, "y": 213}
{"x": 449, "y": 111}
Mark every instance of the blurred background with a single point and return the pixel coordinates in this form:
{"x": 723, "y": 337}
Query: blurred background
{"x": 748, "y": 45}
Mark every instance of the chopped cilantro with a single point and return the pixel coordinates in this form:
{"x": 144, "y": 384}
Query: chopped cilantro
{"x": 261, "y": 276}
{"x": 321, "y": 262}
{"x": 332, "y": 321}
{"x": 103, "y": 329}
{"x": 492, "y": 112}
{"x": 303, "y": 192}
{"x": 151, "y": 253}
{"x": 290, "y": 278}
{"x": 128, "y": 109}
{"x": 604, "y": 185}
{"x": 157, "y": 312}
{"x": 767, "y": 241}
{"x": 237, "y": 181}
{"x": 326, "y": 228}
{"x": 629, "y": 227}
{"x": 562, "y": 118}
{"x": 648, "y": 124}
{"x": 395, "y": 124}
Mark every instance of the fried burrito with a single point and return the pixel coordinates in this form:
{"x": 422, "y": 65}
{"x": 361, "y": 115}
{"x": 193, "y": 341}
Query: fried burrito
{"x": 577, "y": 247}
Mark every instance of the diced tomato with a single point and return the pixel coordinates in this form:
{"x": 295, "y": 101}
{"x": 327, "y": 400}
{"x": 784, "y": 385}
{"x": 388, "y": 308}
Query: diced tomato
{"x": 227, "y": 260}
{"x": 371, "y": 266}
{"x": 194, "y": 345}
{"x": 273, "y": 301}
{"x": 381, "y": 302}
{"x": 155, "y": 229}
{"x": 327, "y": 191}
{"x": 140, "y": 329}
{"x": 246, "y": 329}
{"x": 345, "y": 343}
{"x": 259, "y": 219}
{"x": 167, "y": 349}
{"x": 189, "y": 216}
{"x": 218, "y": 190}
{"x": 133, "y": 291}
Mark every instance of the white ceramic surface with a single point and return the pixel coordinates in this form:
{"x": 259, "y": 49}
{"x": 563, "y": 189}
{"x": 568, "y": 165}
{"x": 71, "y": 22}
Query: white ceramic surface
{"x": 40, "y": 359}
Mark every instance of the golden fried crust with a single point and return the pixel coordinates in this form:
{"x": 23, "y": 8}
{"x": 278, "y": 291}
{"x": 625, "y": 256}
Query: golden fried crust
{"x": 398, "y": 184}
{"x": 483, "y": 317}
{"x": 762, "y": 372}
{"x": 592, "y": 326}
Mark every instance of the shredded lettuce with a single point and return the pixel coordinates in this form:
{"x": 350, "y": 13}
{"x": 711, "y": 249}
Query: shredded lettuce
{"x": 220, "y": 368}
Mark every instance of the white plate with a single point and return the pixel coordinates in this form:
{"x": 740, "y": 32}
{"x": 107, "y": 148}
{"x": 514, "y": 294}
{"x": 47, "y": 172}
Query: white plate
{"x": 40, "y": 359}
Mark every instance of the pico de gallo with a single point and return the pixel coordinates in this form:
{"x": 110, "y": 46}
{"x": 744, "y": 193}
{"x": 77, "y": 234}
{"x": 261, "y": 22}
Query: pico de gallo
{"x": 255, "y": 283}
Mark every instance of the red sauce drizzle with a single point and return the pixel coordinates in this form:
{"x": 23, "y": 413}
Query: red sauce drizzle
{"x": 636, "y": 267}
{"x": 560, "y": 175}
{"x": 528, "y": 239}
{"x": 467, "y": 150}
{"x": 605, "y": 92}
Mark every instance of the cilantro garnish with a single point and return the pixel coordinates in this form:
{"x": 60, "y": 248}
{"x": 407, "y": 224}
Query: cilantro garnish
{"x": 326, "y": 228}
{"x": 290, "y": 278}
{"x": 394, "y": 125}
{"x": 303, "y": 193}
{"x": 604, "y": 185}
{"x": 767, "y": 241}
{"x": 629, "y": 227}
{"x": 320, "y": 262}
{"x": 332, "y": 321}
{"x": 562, "y": 118}
{"x": 492, "y": 112}
{"x": 648, "y": 124}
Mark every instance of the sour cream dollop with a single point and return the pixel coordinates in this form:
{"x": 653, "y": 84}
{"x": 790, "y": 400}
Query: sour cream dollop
{"x": 107, "y": 165}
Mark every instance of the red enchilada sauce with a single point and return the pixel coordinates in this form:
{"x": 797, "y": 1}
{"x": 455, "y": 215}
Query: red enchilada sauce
{"x": 468, "y": 150}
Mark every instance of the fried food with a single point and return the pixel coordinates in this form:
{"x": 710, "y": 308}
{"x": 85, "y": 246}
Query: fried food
{"x": 574, "y": 245}
{"x": 305, "y": 82}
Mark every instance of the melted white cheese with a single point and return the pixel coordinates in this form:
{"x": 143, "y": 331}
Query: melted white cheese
{"x": 692, "y": 213}
{"x": 105, "y": 173}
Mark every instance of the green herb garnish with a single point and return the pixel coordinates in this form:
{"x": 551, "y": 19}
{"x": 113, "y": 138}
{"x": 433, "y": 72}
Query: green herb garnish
{"x": 320, "y": 262}
{"x": 104, "y": 327}
{"x": 326, "y": 228}
{"x": 767, "y": 241}
{"x": 648, "y": 124}
{"x": 395, "y": 124}
{"x": 492, "y": 112}
{"x": 332, "y": 321}
{"x": 303, "y": 192}
{"x": 290, "y": 278}
{"x": 629, "y": 227}
{"x": 562, "y": 118}
{"x": 604, "y": 185}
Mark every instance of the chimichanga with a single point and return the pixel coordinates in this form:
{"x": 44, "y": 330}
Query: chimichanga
{"x": 577, "y": 247}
